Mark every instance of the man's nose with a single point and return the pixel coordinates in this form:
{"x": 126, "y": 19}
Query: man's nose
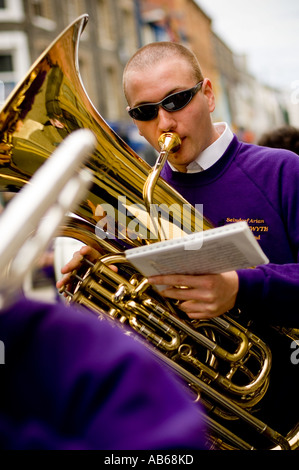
{"x": 167, "y": 121}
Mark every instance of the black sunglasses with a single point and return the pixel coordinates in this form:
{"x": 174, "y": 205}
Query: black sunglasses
{"x": 174, "y": 102}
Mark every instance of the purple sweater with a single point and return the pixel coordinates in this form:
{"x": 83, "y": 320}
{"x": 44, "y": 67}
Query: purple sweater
{"x": 261, "y": 186}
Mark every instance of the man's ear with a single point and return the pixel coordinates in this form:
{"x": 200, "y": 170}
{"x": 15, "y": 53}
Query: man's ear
{"x": 207, "y": 90}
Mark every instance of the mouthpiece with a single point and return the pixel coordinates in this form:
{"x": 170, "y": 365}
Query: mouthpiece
{"x": 169, "y": 142}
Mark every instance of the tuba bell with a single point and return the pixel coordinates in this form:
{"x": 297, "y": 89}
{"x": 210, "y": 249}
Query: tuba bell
{"x": 212, "y": 357}
{"x": 55, "y": 188}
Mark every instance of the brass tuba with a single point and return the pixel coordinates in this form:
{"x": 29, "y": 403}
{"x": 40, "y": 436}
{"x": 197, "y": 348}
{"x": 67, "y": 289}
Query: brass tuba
{"x": 213, "y": 357}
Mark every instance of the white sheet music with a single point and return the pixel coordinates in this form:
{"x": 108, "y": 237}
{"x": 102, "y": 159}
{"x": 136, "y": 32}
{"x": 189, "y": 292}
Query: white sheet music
{"x": 217, "y": 250}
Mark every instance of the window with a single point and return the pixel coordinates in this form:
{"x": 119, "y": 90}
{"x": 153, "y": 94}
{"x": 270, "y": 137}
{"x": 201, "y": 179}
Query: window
{"x": 106, "y": 27}
{"x": 128, "y": 21}
{"x": 14, "y": 60}
{"x": 6, "y": 63}
{"x": 43, "y": 14}
{"x": 73, "y": 9}
{"x": 112, "y": 94}
{"x": 42, "y": 8}
{"x": 11, "y": 10}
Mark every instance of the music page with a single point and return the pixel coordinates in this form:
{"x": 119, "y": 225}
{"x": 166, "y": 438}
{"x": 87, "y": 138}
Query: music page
{"x": 216, "y": 250}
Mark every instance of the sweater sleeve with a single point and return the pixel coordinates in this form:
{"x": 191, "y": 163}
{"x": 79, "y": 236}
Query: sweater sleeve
{"x": 271, "y": 293}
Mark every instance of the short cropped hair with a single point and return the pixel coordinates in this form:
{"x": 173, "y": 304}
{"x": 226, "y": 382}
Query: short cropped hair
{"x": 148, "y": 56}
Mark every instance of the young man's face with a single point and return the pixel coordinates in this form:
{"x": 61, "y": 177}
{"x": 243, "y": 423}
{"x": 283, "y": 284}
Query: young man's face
{"x": 192, "y": 123}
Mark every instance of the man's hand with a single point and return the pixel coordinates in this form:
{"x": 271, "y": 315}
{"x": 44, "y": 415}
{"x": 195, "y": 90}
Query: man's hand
{"x": 202, "y": 296}
{"x": 86, "y": 251}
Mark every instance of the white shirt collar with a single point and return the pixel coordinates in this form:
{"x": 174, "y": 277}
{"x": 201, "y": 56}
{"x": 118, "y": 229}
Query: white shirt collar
{"x": 211, "y": 154}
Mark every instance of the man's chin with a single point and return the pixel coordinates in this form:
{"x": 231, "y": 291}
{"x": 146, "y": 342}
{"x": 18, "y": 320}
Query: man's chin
{"x": 178, "y": 163}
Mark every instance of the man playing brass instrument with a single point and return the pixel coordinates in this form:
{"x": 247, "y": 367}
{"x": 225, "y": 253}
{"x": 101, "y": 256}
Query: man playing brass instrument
{"x": 166, "y": 91}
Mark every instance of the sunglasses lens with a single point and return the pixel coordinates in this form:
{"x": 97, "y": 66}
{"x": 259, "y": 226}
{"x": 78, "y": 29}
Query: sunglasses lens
{"x": 177, "y": 101}
{"x": 174, "y": 102}
{"x": 144, "y": 112}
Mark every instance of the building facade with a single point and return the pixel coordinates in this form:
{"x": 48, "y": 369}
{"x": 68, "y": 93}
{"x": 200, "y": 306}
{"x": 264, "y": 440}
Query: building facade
{"x": 248, "y": 106}
{"x": 27, "y": 28}
{"x": 115, "y": 30}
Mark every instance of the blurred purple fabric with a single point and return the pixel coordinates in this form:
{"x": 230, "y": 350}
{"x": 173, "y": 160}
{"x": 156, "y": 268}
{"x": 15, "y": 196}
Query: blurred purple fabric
{"x": 72, "y": 381}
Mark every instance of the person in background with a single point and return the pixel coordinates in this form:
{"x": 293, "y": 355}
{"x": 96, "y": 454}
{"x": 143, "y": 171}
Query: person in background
{"x": 285, "y": 137}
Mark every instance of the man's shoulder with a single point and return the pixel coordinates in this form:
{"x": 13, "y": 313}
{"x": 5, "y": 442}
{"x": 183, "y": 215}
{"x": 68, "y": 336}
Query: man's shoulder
{"x": 259, "y": 155}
